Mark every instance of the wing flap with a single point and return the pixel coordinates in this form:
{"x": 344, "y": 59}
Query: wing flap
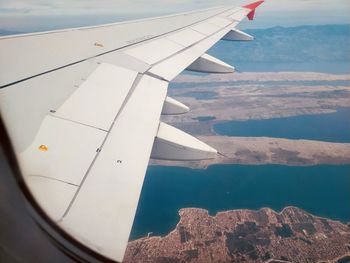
{"x": 37, "y": 97}
{"x": 60, "y": 155}
{"x": 52, "y": 195}
{"x": 108, "y": 197}
{"x": 97, "y": 101}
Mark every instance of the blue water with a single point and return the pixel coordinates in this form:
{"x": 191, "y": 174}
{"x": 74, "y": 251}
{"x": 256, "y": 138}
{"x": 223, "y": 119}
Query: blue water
{"x": 332, "y": 127}
{"x": 322, "y": 190}
{"x": 200, "y": 95}
{"x": 276, "y": 84}
{"x": 204, "y": 118}
{"x": 339, "y": 67}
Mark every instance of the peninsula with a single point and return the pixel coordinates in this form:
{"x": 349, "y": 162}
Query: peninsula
{"x": 246, "y": 236}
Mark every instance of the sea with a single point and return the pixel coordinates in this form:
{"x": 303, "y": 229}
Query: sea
{"x": 330, "y": 127}
{"x": 338, "y": 67}
{"x": 323, "y": 190}
{"x": 274, "y": 84}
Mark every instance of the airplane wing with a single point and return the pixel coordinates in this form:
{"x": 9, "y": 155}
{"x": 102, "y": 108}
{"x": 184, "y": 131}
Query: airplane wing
{"x": 82, "y": 108}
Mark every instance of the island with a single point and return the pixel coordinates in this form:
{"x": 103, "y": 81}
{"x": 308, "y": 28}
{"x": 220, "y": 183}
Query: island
{"x": 216, "y": 99}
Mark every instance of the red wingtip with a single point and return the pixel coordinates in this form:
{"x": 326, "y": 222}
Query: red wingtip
{"x": 252, "y": 7}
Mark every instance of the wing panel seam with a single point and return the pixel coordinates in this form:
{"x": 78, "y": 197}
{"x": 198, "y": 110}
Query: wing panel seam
{"x": 192, "y": 45}
{"x": 133, "y": 87}
{"x": 53, "y": 179}
{"x": 110, "y": 51}
{"x": 77, "y": 122}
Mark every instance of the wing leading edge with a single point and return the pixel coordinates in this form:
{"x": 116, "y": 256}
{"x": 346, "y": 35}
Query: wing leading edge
{"x": 91, "y": 106}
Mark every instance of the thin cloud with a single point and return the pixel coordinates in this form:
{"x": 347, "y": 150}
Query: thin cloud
{"x": 55, "y": 7}
{"x": 42, "y": 7}
{"x": 29, "y": 15}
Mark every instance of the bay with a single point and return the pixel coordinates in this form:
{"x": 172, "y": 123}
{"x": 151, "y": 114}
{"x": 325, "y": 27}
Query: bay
{"x": 322, "y": 190}
{"x": 332, "y": 127}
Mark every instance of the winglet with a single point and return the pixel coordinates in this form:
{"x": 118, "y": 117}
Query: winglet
{"x": 252, "y": 8}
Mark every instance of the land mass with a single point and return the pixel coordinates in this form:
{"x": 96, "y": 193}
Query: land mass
{"x": 254, "y": 96}
{"x": 266, "y": 150}
{"x": 246, "y": 236}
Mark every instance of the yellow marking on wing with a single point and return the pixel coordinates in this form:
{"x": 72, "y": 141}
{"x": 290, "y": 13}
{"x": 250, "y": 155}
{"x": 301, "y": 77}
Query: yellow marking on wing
{"x": 43, "y": 148}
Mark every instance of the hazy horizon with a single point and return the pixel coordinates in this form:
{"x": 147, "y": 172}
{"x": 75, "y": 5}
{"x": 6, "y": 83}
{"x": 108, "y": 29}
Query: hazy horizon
{"x": 42, "y": 15}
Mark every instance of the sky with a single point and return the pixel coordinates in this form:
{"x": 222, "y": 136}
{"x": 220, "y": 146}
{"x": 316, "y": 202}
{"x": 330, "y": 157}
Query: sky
{"x": 37, "y": 15}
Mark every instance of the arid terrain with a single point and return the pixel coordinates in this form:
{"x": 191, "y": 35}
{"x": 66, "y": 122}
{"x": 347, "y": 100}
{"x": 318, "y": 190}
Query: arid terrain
{"x": 264, "y": 150}
{"x": 246, "y": 236}
{"x": 253, "y": 96}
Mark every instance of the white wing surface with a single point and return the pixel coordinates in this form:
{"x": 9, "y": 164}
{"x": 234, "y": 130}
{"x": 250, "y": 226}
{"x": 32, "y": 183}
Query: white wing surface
{"x": 82, "y": 108}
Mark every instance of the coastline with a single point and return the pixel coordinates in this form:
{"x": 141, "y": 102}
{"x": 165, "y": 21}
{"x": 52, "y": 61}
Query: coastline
{"x": 228, "y": 99}
{"x": 244, "y": 234}
{"x": 267, "y": 150}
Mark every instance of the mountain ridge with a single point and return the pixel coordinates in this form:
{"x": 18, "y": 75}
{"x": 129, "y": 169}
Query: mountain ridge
{"x": 321, "y": 43}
